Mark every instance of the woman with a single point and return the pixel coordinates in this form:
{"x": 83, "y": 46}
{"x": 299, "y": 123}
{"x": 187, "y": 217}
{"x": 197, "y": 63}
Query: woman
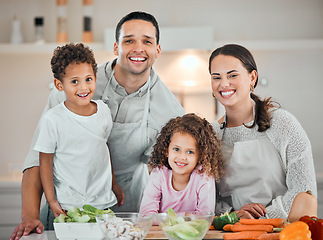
{"x": 269, "y": 165}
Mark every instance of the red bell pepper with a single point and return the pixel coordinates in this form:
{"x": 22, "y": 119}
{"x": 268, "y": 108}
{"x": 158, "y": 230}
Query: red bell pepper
{"x": 315, "y": 226}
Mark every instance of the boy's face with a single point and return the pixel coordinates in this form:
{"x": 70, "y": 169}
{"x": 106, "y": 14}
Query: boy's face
{"x": 137, "y": 48}
{"x": 78, "y": 85}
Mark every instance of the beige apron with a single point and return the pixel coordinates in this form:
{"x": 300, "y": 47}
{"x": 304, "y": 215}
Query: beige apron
{"x": 127, "y": 144}
{"x": 254, "y": 173}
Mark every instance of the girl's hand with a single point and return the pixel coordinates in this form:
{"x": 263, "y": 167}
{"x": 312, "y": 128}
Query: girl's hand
{"x": 56, "y": 208}
{"x": 252, "y": 210}
{"x": 119, "y": 193}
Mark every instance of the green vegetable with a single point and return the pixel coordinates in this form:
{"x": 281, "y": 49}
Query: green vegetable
{"x": 177, "y": 227}
{"x": 220, "y": 221}
{"x": 60, "y": 218}
{"x": 86, "y": 215}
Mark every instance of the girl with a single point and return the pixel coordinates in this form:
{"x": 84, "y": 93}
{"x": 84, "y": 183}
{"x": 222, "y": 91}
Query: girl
{"x": 186, "y": 160}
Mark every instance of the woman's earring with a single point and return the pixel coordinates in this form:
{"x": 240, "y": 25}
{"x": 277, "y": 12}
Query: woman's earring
{"x": 252, "y": 88}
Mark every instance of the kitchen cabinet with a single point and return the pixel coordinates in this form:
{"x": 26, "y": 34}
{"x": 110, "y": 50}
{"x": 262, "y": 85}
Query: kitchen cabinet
{"x": 10, "y": 207}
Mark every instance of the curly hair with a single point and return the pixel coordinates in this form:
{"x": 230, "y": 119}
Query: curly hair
{"x": 70, "y": 53}
{"x": 210, "y": 159}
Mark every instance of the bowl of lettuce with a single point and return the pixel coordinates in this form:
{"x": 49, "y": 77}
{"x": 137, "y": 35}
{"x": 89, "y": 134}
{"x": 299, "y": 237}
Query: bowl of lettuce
{"x": 79, "y": 224}
{"x": 124, "y": 225}
{"x": 184, "y": 225}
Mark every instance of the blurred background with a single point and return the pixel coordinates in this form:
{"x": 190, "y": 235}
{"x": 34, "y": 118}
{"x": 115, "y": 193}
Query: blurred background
{"x": 285, "y": 37}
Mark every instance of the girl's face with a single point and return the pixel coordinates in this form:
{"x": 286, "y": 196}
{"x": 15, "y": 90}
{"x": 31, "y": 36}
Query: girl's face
{"x": 182, "y": 153}
{"x": 78, "y": 85}
{"x": 231, "y": 81}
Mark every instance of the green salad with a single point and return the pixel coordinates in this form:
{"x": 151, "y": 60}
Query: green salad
{"x": 83, "y": 216}
{"x": 177, "y": 227}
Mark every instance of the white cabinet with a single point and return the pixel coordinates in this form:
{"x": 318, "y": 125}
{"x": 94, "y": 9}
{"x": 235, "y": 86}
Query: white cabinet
{"x": 10, "y": 208}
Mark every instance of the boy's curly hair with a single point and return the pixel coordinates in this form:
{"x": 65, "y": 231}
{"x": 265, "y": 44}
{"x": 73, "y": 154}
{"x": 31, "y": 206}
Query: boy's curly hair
{"x": 70, "y": 53}
{"x": 210, "y": 159}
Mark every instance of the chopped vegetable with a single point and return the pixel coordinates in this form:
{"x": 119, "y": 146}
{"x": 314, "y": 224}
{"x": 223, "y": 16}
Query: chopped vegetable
{"x": 243, "y": 235}
{"x": 118, "y": 229}
{"x": 220, "y": 221}
{"x": 76, "y": 215}
{"x": 296, "y": 231}
{"x": 177, "y": 227}
{"x": 315, "y": 225}
{"x": 227, "y": 227}
{"x": 244, "y": 227}
{"x": 269, "y": 236}
{"x": 276, "y": 222}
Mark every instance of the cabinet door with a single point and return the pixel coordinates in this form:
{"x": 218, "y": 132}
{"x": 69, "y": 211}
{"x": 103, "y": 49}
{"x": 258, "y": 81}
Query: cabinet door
{"x": 10, "y": 208}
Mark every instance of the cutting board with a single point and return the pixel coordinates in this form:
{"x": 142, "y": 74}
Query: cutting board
{"x": 155, "y": 232}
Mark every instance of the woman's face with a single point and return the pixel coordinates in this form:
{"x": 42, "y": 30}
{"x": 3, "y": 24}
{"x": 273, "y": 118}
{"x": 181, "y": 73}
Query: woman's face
{"x": 231, "y": 81}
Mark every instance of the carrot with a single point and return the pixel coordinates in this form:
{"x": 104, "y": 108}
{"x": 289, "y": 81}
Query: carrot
{"x": 243, "y": 235}
{"x": 212, "y": 227}
{"x": 227, "y": 227}
{"x": 244, "y": 227}
{"x": 269, "y": 236}
{"x": 276, "y": 222}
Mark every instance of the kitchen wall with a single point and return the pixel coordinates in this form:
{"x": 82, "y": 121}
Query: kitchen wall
{"x": 293, "y": 73}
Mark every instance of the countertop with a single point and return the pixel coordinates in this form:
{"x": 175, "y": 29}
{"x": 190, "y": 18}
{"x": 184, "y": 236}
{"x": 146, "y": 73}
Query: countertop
{"x": 154, "y": 233}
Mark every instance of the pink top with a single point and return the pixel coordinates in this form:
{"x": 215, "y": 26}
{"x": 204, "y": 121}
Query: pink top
{"x": 159, "y": 194}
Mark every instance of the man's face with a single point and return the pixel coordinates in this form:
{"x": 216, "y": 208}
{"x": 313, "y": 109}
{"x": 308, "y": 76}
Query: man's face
{"x": 137, "y": 48}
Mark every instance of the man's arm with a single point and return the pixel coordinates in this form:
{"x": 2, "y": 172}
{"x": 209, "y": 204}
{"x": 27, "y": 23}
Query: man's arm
{"x": 31, "y": 188}
{"x": 31, "y": 192}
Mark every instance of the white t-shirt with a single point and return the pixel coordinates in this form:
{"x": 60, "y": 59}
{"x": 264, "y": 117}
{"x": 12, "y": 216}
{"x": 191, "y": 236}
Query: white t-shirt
{"x": 82, "y": 167}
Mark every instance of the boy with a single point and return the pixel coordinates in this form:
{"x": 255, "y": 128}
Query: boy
{"x": 75, "y": 166}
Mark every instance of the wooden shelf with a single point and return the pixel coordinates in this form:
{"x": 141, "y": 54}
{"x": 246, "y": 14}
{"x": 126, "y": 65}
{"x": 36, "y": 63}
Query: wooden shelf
{"x": 39, "y": 48}
{"x": 253, "y": 45}
{"x": 282, "y": 44}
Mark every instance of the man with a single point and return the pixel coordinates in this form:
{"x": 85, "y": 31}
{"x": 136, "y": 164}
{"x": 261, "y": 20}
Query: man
{"x": 140, "y": 105}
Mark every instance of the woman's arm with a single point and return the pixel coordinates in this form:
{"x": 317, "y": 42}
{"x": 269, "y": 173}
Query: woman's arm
{"x": 31, "y": 192}
{"x": 295, "y": 150}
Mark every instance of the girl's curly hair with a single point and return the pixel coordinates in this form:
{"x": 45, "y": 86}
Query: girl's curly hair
{"x": 210, "y": 159}
{"x": 70, "y": 53}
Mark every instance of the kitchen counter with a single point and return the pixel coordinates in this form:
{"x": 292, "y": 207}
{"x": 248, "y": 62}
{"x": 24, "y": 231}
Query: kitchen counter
{"x": 154, "y": 233}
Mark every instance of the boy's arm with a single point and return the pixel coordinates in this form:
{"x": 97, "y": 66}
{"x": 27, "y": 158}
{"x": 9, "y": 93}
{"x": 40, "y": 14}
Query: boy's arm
{"x": 46, "y": 176}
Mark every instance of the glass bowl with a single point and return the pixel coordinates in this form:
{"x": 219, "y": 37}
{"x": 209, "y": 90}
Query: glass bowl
{"x": 124, "y": 225}
{"x": 185, "y": 225}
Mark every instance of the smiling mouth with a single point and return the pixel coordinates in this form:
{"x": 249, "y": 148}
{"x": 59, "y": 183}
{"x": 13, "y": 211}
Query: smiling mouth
{"x": 227, "y": 93}
{"x": 138, "y": 59}
{"x": 180, "y": 164}
{"x": 83, "y": 95}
